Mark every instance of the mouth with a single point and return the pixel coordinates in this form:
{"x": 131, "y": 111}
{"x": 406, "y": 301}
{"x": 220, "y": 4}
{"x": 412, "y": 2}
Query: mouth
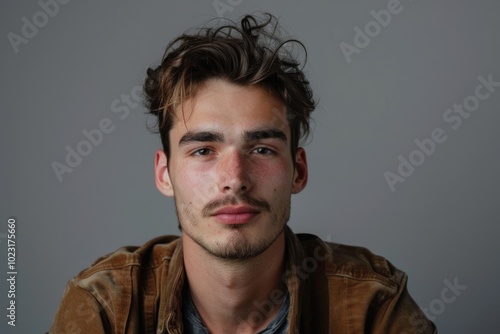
{"x": 233, "y": 215}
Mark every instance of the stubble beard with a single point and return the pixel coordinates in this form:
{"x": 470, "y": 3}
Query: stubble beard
{"x": 238, "y": 248}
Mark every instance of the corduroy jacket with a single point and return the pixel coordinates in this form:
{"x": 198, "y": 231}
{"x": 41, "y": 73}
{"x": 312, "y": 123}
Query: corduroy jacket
{"x": 333, "y": 289}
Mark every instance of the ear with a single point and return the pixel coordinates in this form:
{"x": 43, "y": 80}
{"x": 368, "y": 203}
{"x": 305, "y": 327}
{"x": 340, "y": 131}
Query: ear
{"x": 300, "y": 173}
{"x": 162, "y": 177}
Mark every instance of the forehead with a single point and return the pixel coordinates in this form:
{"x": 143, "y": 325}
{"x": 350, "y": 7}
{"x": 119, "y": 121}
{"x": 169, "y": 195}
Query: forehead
{"x": 224, "y": 106}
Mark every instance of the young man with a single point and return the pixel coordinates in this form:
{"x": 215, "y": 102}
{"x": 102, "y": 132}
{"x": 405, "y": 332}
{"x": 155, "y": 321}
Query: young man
{"x": 232, "y": 105}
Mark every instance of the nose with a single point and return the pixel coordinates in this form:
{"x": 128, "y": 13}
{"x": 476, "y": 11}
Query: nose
{"x": 234, "y": 175}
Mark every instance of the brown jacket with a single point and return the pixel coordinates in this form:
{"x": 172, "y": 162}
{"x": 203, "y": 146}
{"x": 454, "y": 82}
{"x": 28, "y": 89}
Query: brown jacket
{"x": 333, "y": 289}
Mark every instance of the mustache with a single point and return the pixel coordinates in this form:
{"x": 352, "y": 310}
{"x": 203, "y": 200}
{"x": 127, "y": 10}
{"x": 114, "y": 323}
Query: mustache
{"x": 257, "y": 203}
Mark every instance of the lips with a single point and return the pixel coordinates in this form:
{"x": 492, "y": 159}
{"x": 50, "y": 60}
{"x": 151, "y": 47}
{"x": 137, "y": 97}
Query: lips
{"x": 232, "y": 215}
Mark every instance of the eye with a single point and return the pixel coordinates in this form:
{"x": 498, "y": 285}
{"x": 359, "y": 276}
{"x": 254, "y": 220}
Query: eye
{"x": 263, "y": 151}
{"x": 202, "y": 151}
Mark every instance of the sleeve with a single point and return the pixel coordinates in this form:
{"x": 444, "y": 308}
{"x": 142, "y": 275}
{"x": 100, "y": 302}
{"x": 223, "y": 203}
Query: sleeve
{"x": 401, "y": 315}
{"x": 79, "y": 312}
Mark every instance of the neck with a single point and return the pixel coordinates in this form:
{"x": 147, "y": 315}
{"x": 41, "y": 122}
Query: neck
{"x": 233, "y": 296}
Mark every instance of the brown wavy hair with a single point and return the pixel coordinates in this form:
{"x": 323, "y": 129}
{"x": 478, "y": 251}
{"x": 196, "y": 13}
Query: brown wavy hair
{"x": 250, "y": 54}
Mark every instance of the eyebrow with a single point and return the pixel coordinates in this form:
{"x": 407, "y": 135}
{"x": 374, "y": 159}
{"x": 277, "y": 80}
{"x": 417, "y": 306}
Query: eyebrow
{"x": 202, "y": 136}
{"x": 248, "y": 136}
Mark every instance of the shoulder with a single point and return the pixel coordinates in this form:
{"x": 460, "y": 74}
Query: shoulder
{"x": 360, "y": 290}
{"x": 102, "y": 297}
{"x": 128, "y": 261}
{"x": 350, "y": 262}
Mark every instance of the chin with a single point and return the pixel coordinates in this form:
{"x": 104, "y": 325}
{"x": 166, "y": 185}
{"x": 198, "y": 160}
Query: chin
{"x": 235, "y": 247}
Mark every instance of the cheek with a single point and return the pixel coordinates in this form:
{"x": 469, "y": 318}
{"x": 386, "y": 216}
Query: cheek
{"x": 187, "y": 176}
{"x": 276, "y": 178}
{"x": 197, "y": 187}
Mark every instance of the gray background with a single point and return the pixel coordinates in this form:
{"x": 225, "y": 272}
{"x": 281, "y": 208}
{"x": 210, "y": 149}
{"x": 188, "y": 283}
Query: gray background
{"x": 440, "y": 224}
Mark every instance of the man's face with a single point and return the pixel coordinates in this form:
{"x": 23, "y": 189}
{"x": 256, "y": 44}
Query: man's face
{"x": 230, "y": 171}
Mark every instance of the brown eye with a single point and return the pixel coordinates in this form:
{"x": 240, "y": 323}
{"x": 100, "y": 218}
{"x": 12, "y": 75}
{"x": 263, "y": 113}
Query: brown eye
{"x": 263, "y": 151}
{"x": 202, "y": 151}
